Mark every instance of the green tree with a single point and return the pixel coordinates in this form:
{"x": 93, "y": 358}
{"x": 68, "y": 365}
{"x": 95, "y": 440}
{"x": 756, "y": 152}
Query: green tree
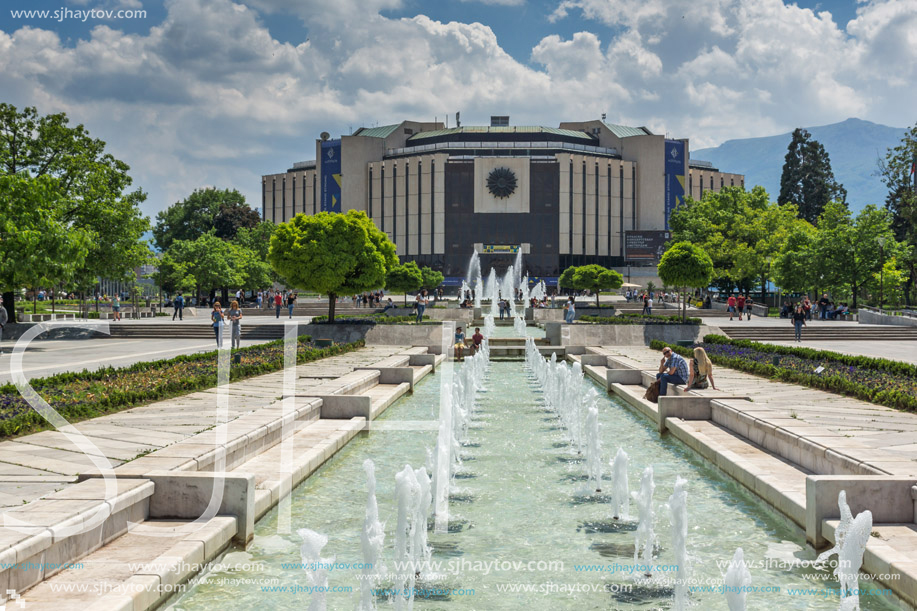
{"x": 899, "y": 173}
{"x": 431, "y": 278}
{"x": 685, "y": 265}
{"x": 198, "y": 214}
{"x": 807, "y": 180}
{"x": 90, "y": 196}
{"x": 793, "y": 269}
{"x": 848, "y": 250}
{"x": 565, "y": 281}
{"x": 257, "y": 239}
{"x": 212, "y": 262}
{"x": 37, "y": 245}
{"x": 333, "y": 254}
{"x": 595, "y": 278}
{"x": 405, "y": 278}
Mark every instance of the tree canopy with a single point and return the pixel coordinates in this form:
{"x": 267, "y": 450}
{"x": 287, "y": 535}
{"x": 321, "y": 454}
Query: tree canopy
{"x": 333, "y": 254}
{"x": 595, "y": 278}
{"x": 431, "y": 278}
{"x": 222, "y": 210}
{"x": 686, "y": 265}
{"x": 807, "y": 180}
{"x": 898, "y": 172}
{"x": 405, "y": 278}
{"x": 77, "y": 186}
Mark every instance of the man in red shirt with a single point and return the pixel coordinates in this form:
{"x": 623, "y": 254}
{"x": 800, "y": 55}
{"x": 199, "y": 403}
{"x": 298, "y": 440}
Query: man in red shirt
{"x": 740, "y": 306}
{"x": 278, "y": 302}
{"x": 476, "y": 340}
{"x": 731, "y": 306}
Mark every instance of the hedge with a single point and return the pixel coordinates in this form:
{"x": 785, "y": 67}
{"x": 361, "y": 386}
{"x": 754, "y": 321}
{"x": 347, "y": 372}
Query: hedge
{"x": 88, "y": 394}
{"x": 372, "y": 319}
{"x": 878, "y": 381}
{"x": 638, "y": 319}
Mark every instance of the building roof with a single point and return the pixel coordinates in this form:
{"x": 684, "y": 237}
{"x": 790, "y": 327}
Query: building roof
{"x": 623, "y": 131}
{"x": 513, "y": 129}
{"x": 383, "y": 131}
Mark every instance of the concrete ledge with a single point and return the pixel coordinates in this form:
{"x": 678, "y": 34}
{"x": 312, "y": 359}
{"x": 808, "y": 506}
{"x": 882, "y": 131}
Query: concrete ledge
{"x": 345, "y": 407}
{"x": 887, "y": 497}
{"x": 687, "y": 407}
{"x": 187, "y": 495}
{"x": 392, "y": 375}
{"x": 632, "y": 377}
{"x": 419, "y": 360}
{"x": 593, "y": 359}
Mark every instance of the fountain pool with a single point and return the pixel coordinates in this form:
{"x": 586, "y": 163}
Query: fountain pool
{"x": 523, "y": 533}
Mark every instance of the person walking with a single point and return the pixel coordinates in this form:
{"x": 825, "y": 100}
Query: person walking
{"x": 731, "y": 306}
{"x": 235, "y": 319}
{"x": 570, "y": 310}
{"x": 216, "y": 319}
{"x": 116, "y": 308}
{"x": 701, "y": 372}
{"x": 260, "y": 298}
{"x": 649, "y": 304}
{"x": 291, "y": 302}
{"x": 748, "y": 308}
{"x": 807, "y": 307}
{"x": 673, "y": 369}
{"x": 4, "y": 318}
{"x": 799, "y": 321}
{"x": 740, "y": 306}
{"x": 178, "y": 307}
{"x": 278, "y": 302}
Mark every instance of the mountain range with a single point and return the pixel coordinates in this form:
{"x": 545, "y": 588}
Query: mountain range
{"x": 854, "y": 146}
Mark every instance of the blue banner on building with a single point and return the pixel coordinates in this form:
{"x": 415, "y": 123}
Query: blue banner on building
{"x": 331, "y": 176}
{"x": 675, "y": 163}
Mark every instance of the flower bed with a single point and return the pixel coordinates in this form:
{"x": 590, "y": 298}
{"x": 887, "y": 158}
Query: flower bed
{"x": 371, "y": 319}
{"x": 880, "y": 381}
{"x": 639, "y": 319}
{"x": 88, "y": 394}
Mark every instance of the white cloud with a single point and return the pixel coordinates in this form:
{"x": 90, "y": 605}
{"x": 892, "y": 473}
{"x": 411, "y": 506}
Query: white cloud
{"x": 209, "y": 96}
{"x": 499, "y": 2}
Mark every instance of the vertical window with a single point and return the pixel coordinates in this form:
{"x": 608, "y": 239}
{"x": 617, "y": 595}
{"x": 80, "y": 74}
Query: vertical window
{"x": 596, "y": 208}
{"x": 274, "y": 199}
{"x": 283, "y": 198}
{"x": 382, "y": 196}
{"x": 571, "y": 207}
{"x": 584, "y": 208}
{"x": 419, "y": 207}
{"x": 369, "y": 208}
{"x": 304, "y": 174}
{"x": 294, "y": 194}
{"x": 633, "y": 195}
{"x": 395, "y": 203}
{"x": 609, "y": 209}
{"x": 432, "y": 204}
{"x": 314, "y": 194}
{"x": 264, "y": 199}
{"x": 621, "y": 199}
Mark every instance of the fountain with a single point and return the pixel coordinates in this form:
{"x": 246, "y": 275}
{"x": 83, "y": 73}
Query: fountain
{"x": 473, "y": 273}
{"x": 645, "y": 536}
{"x": 478, "y": 291}
{"x": 407, "y": 493}
{"x": 737, "y": 579}
{"x": 620, "y": 493}
{"x": 316, "y": 571}
{"x": 678, "y": 509}
{"x": 851, "y": 537}
{"x": 519, "y": 326}
{"x": 372, "y": 538}
{"x": 593, "y": 449}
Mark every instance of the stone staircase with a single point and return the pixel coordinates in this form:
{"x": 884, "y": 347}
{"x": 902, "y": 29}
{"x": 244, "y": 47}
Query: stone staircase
{"x": 822, "y": 331}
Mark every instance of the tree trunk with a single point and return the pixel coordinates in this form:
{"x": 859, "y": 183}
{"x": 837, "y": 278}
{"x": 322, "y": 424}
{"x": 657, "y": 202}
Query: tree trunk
{"x": 9, "y": 303}
{"x": 854, "y": 288}
{"x": 684, "y": 306}
{"x": 597, "y": 293}
{"x": 34, "y": 301}
{"x": 405, "y": 300}
{"x": 332, "y": 299}
{"x": 764, "y": 289}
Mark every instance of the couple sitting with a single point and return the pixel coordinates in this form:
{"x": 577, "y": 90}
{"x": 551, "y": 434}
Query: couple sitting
{"x": 459, "y": 344}
{"x": 674, "y": 369}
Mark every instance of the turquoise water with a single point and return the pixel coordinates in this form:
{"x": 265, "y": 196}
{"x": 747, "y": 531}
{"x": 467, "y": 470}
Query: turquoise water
{"x": 519, "y": 499}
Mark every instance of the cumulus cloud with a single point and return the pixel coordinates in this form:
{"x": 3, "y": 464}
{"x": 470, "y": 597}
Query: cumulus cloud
{"x": 209, "y": 96}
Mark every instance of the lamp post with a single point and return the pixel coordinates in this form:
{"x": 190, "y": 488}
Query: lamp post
{"x": 769, "y": 259}
{"x": 881, "y": 242}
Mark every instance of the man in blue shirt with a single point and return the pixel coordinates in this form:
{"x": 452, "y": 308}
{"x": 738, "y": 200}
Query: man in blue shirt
{"x": 673, "y": 369}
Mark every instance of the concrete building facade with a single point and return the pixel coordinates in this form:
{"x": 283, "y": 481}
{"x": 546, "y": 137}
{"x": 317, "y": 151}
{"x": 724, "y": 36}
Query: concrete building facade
{"x": 564, "y": 196}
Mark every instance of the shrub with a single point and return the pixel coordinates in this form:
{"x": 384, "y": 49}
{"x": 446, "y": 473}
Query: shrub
{"x": 371, "y": 319}
{"x": 629, "y": 318}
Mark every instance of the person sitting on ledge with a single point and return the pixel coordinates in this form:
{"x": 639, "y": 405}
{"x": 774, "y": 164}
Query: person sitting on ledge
{"x": 388, "y": 306}
{"x": 673, "y": 369}
{"x": 459, "y": 344}
{"x": 476, "y": 340}
{"x": 701, "y": 372}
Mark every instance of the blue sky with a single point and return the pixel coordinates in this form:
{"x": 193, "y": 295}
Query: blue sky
{"x": 218, "y": 92}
